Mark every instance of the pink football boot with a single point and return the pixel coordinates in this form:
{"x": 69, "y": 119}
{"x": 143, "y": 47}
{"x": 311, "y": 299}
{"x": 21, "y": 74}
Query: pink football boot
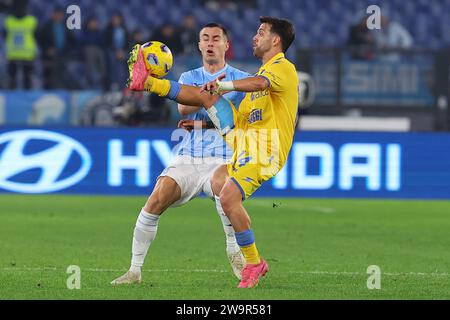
{"x": 252, "y": 273}
{"x": 137, "y": 69}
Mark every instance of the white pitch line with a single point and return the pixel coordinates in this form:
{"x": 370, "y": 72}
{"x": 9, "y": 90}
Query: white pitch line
{"x": 394, "y": 274}
{"x": 113, "y": 270}
{"x": 265, "y": 204}
{"x": 316, "y": 272}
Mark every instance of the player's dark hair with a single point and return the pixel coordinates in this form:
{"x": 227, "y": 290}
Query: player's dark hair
{"x": 217, "y": 25}
{"x": 282, "y": 28}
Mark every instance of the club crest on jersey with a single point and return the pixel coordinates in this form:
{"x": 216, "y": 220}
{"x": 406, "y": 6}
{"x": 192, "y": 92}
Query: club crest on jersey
{"x": 255, "y": 115}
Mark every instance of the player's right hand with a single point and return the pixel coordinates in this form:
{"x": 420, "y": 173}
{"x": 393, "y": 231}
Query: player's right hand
{"x": 189, "y": 124}
{"x": 186, "y": 124}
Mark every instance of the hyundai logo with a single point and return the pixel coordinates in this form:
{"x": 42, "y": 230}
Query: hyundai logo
{"x": 60, "y": 153}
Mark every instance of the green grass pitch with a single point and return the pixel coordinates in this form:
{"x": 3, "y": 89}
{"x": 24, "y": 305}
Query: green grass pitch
{"x": 316, "y": 249}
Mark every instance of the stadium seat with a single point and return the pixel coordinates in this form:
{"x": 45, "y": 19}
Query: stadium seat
{"x": 316, "y": 21}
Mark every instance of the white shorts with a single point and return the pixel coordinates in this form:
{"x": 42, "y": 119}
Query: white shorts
{"x": 192, "y": 175}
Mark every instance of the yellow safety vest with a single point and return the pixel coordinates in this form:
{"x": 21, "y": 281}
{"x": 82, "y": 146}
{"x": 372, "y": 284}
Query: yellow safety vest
{"x": 20, "y": 41}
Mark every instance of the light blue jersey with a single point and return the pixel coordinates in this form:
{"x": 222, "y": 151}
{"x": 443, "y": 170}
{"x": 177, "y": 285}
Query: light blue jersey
{"x": 208, "y": 143}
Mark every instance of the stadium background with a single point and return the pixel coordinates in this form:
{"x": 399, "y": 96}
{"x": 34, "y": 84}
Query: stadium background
{"x": 374, "y": 119}
{"x": 391, "y": 89}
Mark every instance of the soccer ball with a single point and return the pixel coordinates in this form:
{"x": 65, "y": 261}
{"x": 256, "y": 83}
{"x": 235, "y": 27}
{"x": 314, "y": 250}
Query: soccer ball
{"x": 158, "y": 58}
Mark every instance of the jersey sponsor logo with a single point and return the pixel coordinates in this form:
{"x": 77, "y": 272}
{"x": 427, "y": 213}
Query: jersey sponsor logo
{"x": 58, "y": 160}
{"x": 259, "y": 94}
{"x": 255, "y": 115}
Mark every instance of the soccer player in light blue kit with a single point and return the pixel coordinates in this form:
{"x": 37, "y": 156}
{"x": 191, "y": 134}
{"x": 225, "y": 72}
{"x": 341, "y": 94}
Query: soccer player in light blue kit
{"x": 190, "y": 172}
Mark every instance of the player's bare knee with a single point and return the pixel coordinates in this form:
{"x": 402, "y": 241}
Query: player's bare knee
{"x": 218, "y": 179}
{"x": 156, "y": 204}
{"x": 215, "y": 186}
{"x": 165, "y": 193}
{"x": 217, "y": 183}
{"x": 227, "y": 202}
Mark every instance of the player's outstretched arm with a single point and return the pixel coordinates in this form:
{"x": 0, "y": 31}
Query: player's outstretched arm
{"x": 251, "y": 84}
{"x": 192, "y": 96}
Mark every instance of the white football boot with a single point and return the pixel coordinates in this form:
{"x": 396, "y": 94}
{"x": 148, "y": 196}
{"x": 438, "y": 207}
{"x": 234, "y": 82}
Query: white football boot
{"x": 128, "y": 278}
{"x": 237, "y": 262}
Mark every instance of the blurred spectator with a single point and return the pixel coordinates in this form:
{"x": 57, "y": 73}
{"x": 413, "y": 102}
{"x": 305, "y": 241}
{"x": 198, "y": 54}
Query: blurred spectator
{"x": 95, "y": 63}
{"x": 136, "y": 37}
{"x": 189, "y": 35}
{"x": 5, "y": 5}
{"x": 117, "y": 45}
{"x": 55, "y": 41}
{"x": 170, "y": 36}
{"x": 361, "y": 40}
{"x": 229, "y": 54}
{"x": 124, "y": 107}
{"x": 21, "y": 48}
{"x": 156, "y": 111}
{"x": 392, "y": 35}
{"x": 246, "y": 4}
{"x": 253, "y": 4}
{"x": 217, "y": 5}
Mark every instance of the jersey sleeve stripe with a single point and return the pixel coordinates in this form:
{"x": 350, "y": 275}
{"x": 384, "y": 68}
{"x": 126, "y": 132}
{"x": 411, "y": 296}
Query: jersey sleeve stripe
{"x": 268, "y": 81}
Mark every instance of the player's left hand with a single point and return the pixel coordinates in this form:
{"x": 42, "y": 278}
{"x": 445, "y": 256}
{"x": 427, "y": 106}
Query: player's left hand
{"x": 213, "y": 87}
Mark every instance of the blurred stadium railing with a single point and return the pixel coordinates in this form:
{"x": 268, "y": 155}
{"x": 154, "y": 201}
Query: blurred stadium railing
{"x": 408, "y": 85}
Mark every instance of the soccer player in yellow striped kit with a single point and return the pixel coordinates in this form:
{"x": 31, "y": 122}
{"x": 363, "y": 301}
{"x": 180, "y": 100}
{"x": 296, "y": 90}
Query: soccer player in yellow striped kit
{"x": 260, "y": 130}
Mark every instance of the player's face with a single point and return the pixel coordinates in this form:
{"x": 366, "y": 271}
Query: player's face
{"x": 213, "y": 44}
{"x": 262, "y": 41}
